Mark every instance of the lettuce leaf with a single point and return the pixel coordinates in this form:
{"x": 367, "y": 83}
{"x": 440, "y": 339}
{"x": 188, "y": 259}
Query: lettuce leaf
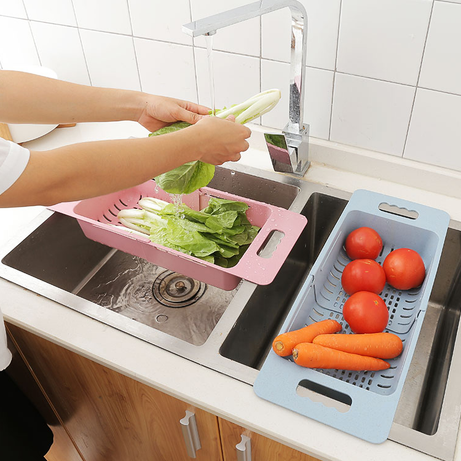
{"x": 176, "y": 126}
{"x": 186, "y": 178}
{"x": 219, "y": 233}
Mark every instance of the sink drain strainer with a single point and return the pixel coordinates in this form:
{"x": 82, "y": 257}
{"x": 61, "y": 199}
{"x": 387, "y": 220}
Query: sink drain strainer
{"x": 172, "y": 289}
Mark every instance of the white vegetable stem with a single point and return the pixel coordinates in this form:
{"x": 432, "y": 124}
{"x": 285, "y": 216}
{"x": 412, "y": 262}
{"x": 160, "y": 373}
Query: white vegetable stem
{"x": 152, "y": 204}
{"x": 131, "y": 231}
{"x": 252, "y": 108}
{"x": 140, "y": 220}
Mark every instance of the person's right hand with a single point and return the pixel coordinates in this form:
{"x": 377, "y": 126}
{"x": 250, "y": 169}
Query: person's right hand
{"x": 220, "y": 141}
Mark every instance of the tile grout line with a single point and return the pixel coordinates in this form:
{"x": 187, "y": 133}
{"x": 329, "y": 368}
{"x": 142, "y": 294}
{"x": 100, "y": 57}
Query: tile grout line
{"x": 417, "y": 80}
{"x": 133, "y": 44}
{"x": 335, "y": 71}
{"x": 81, "y": 44}
{"x": 35, "y": 43}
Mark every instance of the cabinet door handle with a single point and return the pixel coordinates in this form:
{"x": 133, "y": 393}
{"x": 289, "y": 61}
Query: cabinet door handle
{"x": 190, "y": 433}
{"x": 244, "y": 449}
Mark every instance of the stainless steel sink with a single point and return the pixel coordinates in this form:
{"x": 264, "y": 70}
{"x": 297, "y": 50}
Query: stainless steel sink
{"x": 231, "y": 332}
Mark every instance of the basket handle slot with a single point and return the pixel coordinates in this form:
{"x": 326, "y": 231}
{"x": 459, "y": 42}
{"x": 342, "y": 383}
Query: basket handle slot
{"x": 399, "y": 211}
{"x": 329, "y": 397}
{"x": 270, "y": 244}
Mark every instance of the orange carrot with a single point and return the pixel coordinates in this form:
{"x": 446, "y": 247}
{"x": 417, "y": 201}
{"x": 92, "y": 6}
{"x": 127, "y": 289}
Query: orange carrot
{"x": 283, "y": 344}
{"x": 311, "y": 355}
{"x": 380, "y": 345}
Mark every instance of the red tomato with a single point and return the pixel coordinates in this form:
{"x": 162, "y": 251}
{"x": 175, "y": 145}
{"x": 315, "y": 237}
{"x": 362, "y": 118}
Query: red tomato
{"x": 363, "y": 275}
{"x": 365, "y": 312}
{"x": 363, "y": 243}
{"x": 404, "y": 269}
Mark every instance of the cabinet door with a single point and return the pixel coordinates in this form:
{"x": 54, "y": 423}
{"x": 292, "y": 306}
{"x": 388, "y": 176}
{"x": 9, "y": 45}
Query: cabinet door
{"x": 19, "y": 371}
{"x": 110, "y": 416}
{"x": 262, "y": 448}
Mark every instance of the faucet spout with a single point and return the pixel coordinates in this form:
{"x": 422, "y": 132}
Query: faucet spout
{"x": 295, "y": 134}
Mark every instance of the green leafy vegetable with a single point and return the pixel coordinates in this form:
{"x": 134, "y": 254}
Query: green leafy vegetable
{"x": 191, "y": 176}
{"x": 186, "y": 178}
{"x": 170, "y": 128}
{"x": 220, "y": 233}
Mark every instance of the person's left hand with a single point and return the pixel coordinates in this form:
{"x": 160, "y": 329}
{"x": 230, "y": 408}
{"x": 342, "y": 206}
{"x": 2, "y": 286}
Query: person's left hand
{"x": 160, "y": 111}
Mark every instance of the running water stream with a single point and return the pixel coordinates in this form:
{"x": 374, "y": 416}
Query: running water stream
{"x": 209, "y": 53}
{"x": 177, "y": 198}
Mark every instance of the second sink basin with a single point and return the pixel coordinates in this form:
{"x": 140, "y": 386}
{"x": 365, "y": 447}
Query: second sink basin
{"x": 232, "y": 331}
{"x": 250, "y": 339}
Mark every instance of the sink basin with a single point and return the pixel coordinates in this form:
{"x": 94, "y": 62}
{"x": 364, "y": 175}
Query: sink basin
{"x": 250, "y": 340}
{"x": 232, "y": 331}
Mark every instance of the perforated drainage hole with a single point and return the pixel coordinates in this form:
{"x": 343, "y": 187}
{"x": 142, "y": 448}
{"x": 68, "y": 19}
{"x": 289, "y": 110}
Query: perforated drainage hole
{"x": 172, "y": 289}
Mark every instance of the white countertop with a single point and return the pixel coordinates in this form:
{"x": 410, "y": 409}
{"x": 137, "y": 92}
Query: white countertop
{"x": 340, "y": 167}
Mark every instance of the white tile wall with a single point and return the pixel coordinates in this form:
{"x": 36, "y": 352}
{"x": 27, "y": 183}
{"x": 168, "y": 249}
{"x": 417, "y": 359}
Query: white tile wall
{"x": 160, "y": 20}
{"x": 356, "y": 121}
{"x": 236, "y": 77}
{"x": 60, "y": 49}
{"x": 55, "y": 11}
{"x": 383, "y": 39}
{"x": 441, "y": 68}
{"x": 17, "y": 46}
{"x": 435, "y": 129}
{"x": 111, "y": 59}
{"x": 14, "y": 8}
{"x": 154, "y": 57}
{"x": 382, "y": 74}
{"x": 105, "y": 15}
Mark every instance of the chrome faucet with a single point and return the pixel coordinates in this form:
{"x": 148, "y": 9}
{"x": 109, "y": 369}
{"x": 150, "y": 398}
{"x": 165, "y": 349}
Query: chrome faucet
{"x": 288, "y": 151}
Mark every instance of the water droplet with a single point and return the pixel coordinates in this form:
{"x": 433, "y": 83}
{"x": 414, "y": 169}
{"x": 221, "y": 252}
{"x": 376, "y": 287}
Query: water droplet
{"x": 161, "y": 318}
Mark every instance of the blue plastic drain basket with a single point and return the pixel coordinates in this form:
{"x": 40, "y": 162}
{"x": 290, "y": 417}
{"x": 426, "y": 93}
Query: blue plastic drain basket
{"x": 360, "y": 403}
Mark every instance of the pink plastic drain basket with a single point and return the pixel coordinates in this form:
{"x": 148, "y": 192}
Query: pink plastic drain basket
{"x": 97, "y": 217}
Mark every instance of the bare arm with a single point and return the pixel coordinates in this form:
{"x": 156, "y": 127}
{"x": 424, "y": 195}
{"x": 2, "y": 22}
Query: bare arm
{"x": 95, "y": 168}
{"x": 29, "y": 98}
{"x": 90, "y": 169}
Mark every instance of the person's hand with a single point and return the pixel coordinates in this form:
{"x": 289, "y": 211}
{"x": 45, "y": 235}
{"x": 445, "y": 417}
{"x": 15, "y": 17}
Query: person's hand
{"x": 220, "y": 141}
{"x": 160, "y": 111}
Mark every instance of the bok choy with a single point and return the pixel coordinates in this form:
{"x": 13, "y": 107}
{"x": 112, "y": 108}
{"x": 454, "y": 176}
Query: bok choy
{"x": 220, "y": 233}
{"x": 192, "y": 175}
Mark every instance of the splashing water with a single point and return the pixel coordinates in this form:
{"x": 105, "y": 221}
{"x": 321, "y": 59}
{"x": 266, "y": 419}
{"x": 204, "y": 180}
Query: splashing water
{"x": 176, "y": 199}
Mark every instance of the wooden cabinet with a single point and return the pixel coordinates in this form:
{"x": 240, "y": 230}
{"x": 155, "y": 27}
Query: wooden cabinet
{"x": 63, "y": 447}
{"x": 109, "y": 416}
{"x": 262, "y": 448}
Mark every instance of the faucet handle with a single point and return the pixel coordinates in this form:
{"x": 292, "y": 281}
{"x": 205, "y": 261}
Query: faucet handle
{"x": 289, "y": 151}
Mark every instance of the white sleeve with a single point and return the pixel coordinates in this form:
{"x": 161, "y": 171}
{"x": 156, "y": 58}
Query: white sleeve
{"x": 13, "y": 161}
